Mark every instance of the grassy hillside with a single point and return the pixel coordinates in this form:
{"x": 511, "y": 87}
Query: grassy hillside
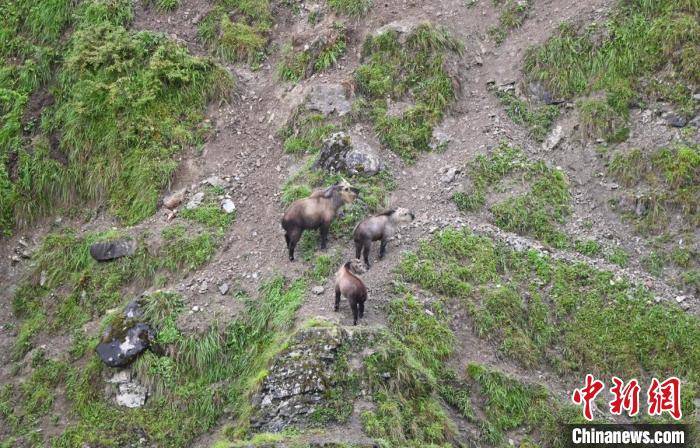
{"x": 117, "y": 107}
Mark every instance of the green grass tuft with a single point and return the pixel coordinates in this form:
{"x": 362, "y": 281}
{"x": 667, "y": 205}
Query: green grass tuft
{"x": 667, "y": 180}
{"x": 324, "y": 54}
{"x": 238, "y": 30}
{"x": 537, "y": 119}
{"x": 537, "y": 212}
{"x": 353, "y": 8}
{"x": 567, "y": 316}
{"x": 618, "y": 57}
{"x": 513, "y": 14}
{"x": 116, "y": 124}
{"x": 416, "y": 68}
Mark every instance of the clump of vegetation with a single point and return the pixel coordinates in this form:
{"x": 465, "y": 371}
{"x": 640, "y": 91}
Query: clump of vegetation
{"x": 195, "y": 381}
{"x": 413, "y": 66}
{"x": 238, "y": 30}
{"x": 23, "y": 406}
{"x": 305, "y": 132}
{"x": 354, "y": 8}
{"x": 513, "y": 14}
{"x": 210, "y": 212}
{"x": 165, "y": 5}
{"x": 84, "y": 288}
{"x": 618, "y": 256}
{"x": 409, "y": 372}
{"x": 569, "y": 316}
{"x": 115, "y": 125}
{"x": 511, "y": 404}
{"x": 591, "y": 248}
{"x": 599, "y": 120}
{"x": 537, "y": 119}
{"x": 402, "y": 376}
{"x": 670, "y": 178}
{"x": 537, "y": 212}
{"x": 617, "y": 57}
{"x": 298, "y": 65}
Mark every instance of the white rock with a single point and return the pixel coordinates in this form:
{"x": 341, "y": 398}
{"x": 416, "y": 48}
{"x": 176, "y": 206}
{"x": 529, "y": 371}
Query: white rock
{"x": 553, "y": 139}
{"x": 131, "y": 395}
{"x": 122, "y": 376}
{"x": 228, "y": 206}
{"x": 318, "y": 290}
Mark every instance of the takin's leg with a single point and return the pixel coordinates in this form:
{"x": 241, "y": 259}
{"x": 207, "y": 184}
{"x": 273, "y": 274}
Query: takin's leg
{"x": 337, "y": 298}
{"x": 358, "y": 249}
{"x": 365, "y": 252}
{"x": 324, "y": 235}
{"x": 293, "y": 237}
{"x": 382, "y": 248}
{"x": 353, "y": 305}
{"x": 362, "y": 309}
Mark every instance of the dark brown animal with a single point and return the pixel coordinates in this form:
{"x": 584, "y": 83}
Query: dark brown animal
{"x": 350, "y": 285}
{"x": 315, "y": 212}
{"x": 379, "y": 227}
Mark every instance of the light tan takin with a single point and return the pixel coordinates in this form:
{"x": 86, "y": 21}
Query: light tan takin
{"x": 315, "y": 212}
{"x": 379, "y": 227}
{"x": 350, "y": 285}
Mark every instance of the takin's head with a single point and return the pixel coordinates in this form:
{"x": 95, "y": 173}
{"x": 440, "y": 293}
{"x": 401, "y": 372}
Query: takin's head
{"x": 401, "y": 216}
{"x": 346, "y": 192}
{"x": 356, "y": 267}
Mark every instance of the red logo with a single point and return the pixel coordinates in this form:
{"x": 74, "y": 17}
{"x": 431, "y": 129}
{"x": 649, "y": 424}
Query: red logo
{"x": 586, "y": 394}
{"x": 665, "y": 397}
{"x": 626, "y": 397}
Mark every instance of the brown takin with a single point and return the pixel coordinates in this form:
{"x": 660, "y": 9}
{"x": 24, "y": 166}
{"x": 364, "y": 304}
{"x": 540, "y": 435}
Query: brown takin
{"x": 379, "y": 227}
{"x": 315, "y": 212}
{"x": 350, "y": 285}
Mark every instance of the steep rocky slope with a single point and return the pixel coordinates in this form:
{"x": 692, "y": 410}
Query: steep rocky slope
{"x": 468, "y": 339}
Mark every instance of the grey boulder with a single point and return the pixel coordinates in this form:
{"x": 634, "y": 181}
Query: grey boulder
{"x": 110, "y": 250}
{"x": 328, "y": 99}
{"x": 120, "y": 348}
{"x": 340, "y": 154}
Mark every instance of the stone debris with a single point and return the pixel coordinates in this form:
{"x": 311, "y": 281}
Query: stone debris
{"x": 195, "y": 201}
{"x": 298, "y": 379}
{"x": 111, "y": 250}
{"x": 228, "y": 206}
{"x": 328, "y": 99}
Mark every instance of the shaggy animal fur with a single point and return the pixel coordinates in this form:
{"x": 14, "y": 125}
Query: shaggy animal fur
{"x": 350, "y": 285}
{"x": 315, "y": 212}
{"x": 379, "y": 227}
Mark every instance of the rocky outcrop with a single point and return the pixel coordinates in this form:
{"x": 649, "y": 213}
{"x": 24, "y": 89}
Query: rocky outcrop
{"x": 298, "y": 380}
{"x": 111, "y": 250}
{"x": 126, "y": 338}
{"x": 125, "y": 390}
{"x": 328, "y": 99}
{"x": 341, "y": 153}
